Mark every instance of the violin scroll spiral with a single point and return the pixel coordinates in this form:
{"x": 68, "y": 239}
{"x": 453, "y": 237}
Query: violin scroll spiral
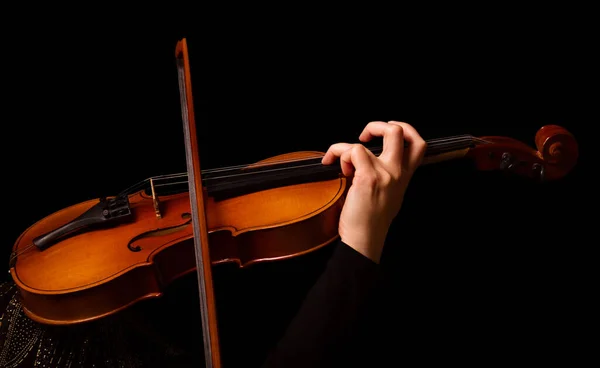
{"x": 558, "y": 148}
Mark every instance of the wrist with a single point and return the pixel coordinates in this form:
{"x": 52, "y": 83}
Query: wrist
{"x": 369, "y": 245}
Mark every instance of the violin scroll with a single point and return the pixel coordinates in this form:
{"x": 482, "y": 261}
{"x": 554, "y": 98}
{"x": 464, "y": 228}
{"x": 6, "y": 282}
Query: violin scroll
{"x": 558, "y": 148}
{"x": 556, "y": 154}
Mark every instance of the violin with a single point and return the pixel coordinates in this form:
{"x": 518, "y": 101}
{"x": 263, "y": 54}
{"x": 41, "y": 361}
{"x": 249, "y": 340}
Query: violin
{"x": 98, "y": 257}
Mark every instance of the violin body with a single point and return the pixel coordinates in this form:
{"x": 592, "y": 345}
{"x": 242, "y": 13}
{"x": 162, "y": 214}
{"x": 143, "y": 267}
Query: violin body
{"x": 93, "y": 274}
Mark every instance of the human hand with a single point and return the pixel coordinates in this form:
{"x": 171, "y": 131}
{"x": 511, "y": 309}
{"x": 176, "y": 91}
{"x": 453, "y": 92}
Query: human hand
{"x": 378, "y": 183}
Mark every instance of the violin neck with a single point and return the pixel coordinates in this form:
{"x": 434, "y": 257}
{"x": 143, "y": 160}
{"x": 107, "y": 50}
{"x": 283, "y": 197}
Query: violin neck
{"x": 446, "y": 149}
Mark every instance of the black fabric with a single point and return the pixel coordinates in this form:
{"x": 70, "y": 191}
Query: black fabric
{"x": 327, "y": 331}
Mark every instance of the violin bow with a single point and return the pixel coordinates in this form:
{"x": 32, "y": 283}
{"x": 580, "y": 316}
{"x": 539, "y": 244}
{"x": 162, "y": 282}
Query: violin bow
{"x": 208, "y": 311}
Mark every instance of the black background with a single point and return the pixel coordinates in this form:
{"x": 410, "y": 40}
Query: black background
{"x": 480, "y": 262}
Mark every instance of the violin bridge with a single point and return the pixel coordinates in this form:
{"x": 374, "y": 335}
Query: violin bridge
{"x": 155, "y": 201}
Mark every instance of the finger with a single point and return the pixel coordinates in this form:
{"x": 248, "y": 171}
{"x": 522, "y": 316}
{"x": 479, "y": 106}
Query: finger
{"x": 334, "y": 152}
{"x": 358, "y": 158}
{"x": 416, "y": 147}
{"x": 393, "y": 139}
{"x": 352, "y": 157}
{"x": 365, "y": 135}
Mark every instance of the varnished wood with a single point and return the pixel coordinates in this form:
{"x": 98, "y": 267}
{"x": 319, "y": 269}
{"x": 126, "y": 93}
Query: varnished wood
{"x": 212, "y": 350}
{"x": 97, "y": 273}
{"x": 269, "y": 225}
{"x": 452, "y": 155}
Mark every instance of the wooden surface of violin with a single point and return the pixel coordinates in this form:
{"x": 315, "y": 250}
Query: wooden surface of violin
{"x": 95, "y": 273}
{"x": 272, "y": 210}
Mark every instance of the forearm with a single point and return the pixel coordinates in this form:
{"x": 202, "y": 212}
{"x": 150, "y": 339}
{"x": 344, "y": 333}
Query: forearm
{"x": 329, "y": 316}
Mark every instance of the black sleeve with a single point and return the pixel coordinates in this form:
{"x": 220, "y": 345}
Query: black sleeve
{"x": 327, "y": 323}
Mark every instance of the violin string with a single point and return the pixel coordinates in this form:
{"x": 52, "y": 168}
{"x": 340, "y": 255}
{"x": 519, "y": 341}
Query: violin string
{"x": 431, "y": 144}
{"x": 446, "y": 142}
{"x": 271, "y": 163}
{"x": 229, "y": 176}
{"x": 261, "y": 172}
{"x": 241, "y": 174}
{"x": 22, "y": 250}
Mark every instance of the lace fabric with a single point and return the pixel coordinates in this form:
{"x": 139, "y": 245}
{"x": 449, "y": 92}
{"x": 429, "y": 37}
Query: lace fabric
{"x": 121, "y": 341}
